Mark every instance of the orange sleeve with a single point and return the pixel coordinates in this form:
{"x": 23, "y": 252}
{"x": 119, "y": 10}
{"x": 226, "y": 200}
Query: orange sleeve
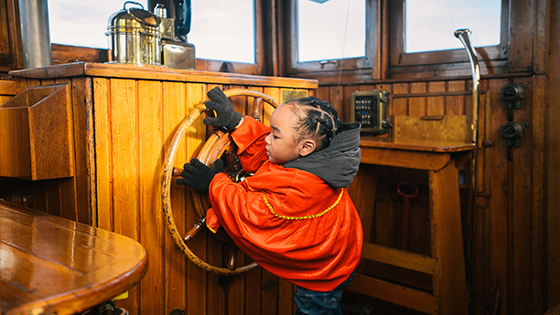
{"x": 249, "y": 138}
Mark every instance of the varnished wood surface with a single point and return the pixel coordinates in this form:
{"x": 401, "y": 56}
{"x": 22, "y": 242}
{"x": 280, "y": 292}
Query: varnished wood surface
{"x": 111, "y": 70}
{"x": 52, "y": 265}
{"x": 35, "y": 131}
{"x": 415, "y": 145}
{"x": 498, "y": 255}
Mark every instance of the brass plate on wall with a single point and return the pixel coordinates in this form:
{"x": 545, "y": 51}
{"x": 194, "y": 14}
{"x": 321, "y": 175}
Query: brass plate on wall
{"x": 292, "y": 94}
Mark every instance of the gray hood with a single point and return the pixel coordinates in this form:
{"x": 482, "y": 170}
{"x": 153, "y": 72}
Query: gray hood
{"x": 338, "y": 163}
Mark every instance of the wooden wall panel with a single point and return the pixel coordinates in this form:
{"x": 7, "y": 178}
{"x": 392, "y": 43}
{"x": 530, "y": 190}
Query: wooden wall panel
{"x": 195, "y": 279}
{"x": 135, "y": 121}
{"x": 509, "y": 206}
{"x": 417, "y": 105}
{"x": 174, "y": 262}
{"x": 552, "y": 152}
{"x": 538, "y": 175}
{"x": 83, "y": 134}
{"x": 103, "y": 145}
{"x": 150, "y": 157}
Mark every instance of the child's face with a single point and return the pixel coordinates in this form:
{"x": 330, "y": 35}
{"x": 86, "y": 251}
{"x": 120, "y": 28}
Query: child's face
{"x": 282, "y": 143}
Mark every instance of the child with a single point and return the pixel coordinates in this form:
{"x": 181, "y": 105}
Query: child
{"x": 293, "y": 216}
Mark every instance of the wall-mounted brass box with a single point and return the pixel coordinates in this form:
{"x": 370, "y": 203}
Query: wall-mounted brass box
{"x": 370, "y": 109}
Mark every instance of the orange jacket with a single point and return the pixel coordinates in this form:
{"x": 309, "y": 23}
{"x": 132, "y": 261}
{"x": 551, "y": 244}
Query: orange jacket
{"x": 289, "y": 221}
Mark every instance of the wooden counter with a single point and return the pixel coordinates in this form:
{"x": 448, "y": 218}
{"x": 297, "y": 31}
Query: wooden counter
{"x": 50, "y": 265}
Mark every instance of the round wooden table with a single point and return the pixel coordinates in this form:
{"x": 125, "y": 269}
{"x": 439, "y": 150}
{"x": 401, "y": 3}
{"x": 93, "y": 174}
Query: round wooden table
{"x": 53, "y": 265}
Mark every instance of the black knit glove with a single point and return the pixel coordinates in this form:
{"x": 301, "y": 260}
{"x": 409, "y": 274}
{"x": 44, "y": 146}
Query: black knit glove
{"x": 198, "y": 176}
{"x": 226, "y": 115}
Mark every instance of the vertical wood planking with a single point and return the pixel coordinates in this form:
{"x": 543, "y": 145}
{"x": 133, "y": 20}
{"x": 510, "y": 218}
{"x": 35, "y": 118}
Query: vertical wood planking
{"x": 521, "y": 209}
{"x": 537, "y": 191}
{"x": 347, "y": 112}
{"x": 53, "y": 197}
{"x": 236, "y": 289}
{"x": 323, "y": 93}
{"x": 417, "y": 105}
{"x": 69, "y": 191}
{"x": 81, "y": 93}
{"x": 125, "y": 172}
{"x": 552, "y": 163}
{"x": 103, "y": 145}
{"x": 455, "y": 105}
{"x": 253, "y": 290}
{"x": 498, "y": 206}
{"x": 522, "y": 27}
{"x": 436, "y": 105}
{"x": 150, "y": 161}
{"x": 336, "y": 99}
{"x": 40, "y": 196}
{"x": 285, "y": 297}
{"x": 477, "y": 222}
{"x": 215, "y": 294}
{"x": 267, "y": 108}
{"x": 400, "y": 105}
{"x": 174, "y": 260}
{"x": 269, "y": 291}
{"x": 195, "y": 277}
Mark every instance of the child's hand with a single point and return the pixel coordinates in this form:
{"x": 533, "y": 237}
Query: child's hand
{"x": 225, "y": 111}
{"x": 198, "y": 176}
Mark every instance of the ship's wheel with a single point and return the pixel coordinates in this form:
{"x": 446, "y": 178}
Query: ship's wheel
{"x": 218, "y": 145}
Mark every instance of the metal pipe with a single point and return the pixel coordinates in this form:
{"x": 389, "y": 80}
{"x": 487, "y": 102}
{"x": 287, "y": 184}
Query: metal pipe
{"x": 35, "y": 38}
{"x": 463, "y": 36}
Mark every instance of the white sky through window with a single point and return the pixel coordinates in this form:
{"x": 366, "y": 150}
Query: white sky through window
{"x": 430, "y": 24}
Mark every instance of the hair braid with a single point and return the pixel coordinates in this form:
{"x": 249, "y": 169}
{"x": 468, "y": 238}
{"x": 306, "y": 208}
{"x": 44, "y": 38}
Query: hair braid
{"x": 316, "y": 119}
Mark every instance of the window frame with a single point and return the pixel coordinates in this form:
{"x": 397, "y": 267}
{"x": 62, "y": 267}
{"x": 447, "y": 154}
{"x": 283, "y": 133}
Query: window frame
{"x": 293, "y": 66}
{"x": 398, "y": 58}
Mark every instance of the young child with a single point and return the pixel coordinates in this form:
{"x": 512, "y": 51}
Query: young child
{"x": 293, "y": 216}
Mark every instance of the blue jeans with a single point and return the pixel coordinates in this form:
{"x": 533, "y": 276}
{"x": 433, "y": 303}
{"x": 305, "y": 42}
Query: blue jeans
{"x": 320, "y": 303}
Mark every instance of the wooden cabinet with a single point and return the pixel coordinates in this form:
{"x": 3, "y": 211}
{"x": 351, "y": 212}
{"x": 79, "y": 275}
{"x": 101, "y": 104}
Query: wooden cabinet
{"x": 123, "y": 120}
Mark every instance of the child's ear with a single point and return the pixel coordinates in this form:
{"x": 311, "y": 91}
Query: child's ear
{"x": 307, "y": 147}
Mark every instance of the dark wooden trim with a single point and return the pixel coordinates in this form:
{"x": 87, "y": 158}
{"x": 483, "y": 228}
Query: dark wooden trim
{"x": 414, "y": 79}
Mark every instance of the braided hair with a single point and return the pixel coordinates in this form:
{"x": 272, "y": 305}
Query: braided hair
{"x": 315, "y": 119}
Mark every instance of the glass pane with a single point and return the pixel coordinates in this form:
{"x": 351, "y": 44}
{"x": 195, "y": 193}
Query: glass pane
{"x": 223, "y": 30}
{"x": 83, "y": 22}
{"x": 430, "y": 24}
{"x": 334, "y": 29}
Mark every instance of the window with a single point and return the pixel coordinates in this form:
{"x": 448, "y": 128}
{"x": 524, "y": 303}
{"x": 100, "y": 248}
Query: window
{"x": 421, "y": 31}
{"x": 224, "y": 30}
{"x": 221, "y": 30}
{"x": 326, "y": 34}
{"x": 330, "y": 35}
{"x": 83, "y": 23}
{"x": 430, "y": 24}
